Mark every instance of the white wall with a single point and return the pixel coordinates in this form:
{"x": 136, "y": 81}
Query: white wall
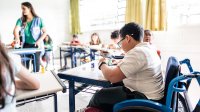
{"x": 182, "y": 42}
{"x": 103, "y": 34}
{"x": 55, "y": 15}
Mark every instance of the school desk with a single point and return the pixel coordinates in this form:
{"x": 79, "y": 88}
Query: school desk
{"x": 50, "y": 84}
{"x": 87, "y": 74}
{"x": 26, "y": 51}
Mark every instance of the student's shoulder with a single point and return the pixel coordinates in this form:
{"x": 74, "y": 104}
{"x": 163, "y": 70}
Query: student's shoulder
{"x": 19, "y": 19}
{"x": 19, "y": 22}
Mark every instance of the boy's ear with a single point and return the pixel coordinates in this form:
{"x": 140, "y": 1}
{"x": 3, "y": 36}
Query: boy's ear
{"x": 128, "y": 38}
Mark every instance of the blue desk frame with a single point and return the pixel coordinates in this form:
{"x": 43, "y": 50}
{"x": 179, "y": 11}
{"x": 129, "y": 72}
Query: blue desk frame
{"x": 72, "y": 91}
{"x": 72, "y": 51}
{"x": 27, "y": 51}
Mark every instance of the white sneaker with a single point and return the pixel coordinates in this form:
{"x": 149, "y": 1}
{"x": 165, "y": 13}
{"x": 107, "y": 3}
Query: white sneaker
{"x": 81, "y": 110}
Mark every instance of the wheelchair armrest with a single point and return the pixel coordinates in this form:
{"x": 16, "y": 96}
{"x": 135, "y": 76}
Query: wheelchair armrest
{"x": 195, "y": 72}
{"x": 140, "y": 104}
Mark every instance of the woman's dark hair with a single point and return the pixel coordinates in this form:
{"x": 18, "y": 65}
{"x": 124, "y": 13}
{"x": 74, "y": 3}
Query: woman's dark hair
{"x": 98, "y": 41}
{"x": 115, "y": 34}
{"x": 132, "y": 29}
{"x": 5, "y": 64}
{"x": 49, "y": 40}
{"x": 29, "y": 5}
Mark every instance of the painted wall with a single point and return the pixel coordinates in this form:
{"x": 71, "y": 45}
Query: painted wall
{"x": 55, "y": 15}
{"x": 182, "y": 42}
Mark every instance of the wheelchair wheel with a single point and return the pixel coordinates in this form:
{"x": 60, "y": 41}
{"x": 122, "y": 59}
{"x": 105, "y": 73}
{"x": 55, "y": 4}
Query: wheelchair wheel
{"x": 181, "y": 104}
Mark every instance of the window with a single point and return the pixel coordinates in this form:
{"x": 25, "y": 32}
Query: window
{"x": 101, "y": 14}
{"x": 182, "y": 12}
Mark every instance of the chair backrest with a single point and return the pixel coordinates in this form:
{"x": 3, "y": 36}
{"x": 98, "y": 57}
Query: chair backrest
{"x": 172, "y": 71}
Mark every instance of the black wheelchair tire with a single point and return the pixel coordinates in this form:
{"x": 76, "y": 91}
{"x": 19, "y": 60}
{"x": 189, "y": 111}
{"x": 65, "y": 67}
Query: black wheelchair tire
{"x": 181, "y": 104}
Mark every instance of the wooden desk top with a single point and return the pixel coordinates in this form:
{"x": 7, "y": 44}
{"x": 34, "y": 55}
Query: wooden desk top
{"x": 86, "y": 71}
{"x": 48, "y": 84}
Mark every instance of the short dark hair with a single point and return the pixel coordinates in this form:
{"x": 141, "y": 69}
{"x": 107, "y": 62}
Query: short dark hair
{"x": 114, "y": 34}
{"x": 132, "y": 29}
{"x": 75, "y": 36}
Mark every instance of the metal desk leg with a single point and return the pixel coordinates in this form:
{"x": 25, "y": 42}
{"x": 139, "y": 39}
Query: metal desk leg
{"x": 75, "y": 57}
{"x": 91, "y": 55}
{"x": 60, "y": 58}
{"x": 72, "y": 57}
{"x": 71, "y": 96}
{"x": 55, "y": 103}
{"x": 34, "y": 61}
{"x": 23, "y": 56}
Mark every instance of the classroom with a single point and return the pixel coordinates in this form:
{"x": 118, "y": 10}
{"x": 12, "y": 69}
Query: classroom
{"x": 99, "y": 56}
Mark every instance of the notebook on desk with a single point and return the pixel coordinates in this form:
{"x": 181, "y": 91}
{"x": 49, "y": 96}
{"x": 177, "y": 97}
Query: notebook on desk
{"x": 117, "y": 56}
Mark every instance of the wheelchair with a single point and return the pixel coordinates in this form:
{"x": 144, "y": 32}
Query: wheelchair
{"x": 173, "y": 101}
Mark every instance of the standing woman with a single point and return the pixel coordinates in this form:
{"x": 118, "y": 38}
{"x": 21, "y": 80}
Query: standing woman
{"x": 31, "y": 30}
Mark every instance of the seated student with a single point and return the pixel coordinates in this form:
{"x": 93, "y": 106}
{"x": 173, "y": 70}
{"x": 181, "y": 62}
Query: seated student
{"x": 10, "y": 67}
{"x": 148, "y": 38}
{"x": 94, "y": 40}
{"x": 140, "y": 71}
{"x": 74, "y": 42}
{"x": 115, "y": 39}
{"x": 48, "y": 45}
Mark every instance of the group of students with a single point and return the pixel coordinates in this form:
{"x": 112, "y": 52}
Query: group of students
{"x": 95, "y": 40}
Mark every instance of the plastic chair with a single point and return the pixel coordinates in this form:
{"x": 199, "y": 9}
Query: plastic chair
{"x": 24, "y": 59}
{"x": 172, "y": 71}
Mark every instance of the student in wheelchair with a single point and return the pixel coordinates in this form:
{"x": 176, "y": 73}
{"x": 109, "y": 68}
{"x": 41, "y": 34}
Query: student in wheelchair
{"x": 139, "y": 71}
